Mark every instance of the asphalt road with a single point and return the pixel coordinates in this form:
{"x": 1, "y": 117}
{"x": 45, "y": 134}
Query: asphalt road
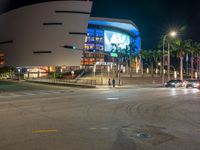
{"x": 38, "y": 117}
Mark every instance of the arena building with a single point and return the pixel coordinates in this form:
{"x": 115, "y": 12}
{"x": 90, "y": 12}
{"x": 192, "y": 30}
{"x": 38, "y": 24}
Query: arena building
{"x": 43, "y": 36}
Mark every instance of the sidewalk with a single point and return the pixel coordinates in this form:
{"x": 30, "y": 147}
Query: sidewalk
{"x": 132, "y": 86}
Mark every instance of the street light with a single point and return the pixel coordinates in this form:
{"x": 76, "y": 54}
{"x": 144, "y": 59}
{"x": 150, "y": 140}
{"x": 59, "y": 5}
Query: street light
{"x": 171, "y": 34}
{"x": 19, "y": 72}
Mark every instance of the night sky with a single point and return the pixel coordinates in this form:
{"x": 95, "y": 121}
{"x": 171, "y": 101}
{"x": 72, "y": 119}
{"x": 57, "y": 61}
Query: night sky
{"x": 153, "y": 17}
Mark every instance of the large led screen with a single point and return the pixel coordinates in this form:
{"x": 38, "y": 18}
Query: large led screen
{"x": 114, "y": 40}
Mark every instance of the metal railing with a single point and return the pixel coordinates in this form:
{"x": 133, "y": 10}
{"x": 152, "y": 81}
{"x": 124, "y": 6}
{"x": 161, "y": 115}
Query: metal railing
{"x": 64, "y": 81}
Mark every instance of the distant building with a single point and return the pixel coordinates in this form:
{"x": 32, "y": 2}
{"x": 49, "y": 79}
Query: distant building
{"x": 107, "y": 38}
{"x": 54, "y": 34}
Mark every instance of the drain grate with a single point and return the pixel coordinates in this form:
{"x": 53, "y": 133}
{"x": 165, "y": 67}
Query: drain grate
{"x": 143, "y": 135}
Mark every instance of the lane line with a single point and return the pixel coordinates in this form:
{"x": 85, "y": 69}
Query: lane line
{"x": 104, "y": 128}
{"x": 45, "y": 131}
{"x": 92, "y": 128}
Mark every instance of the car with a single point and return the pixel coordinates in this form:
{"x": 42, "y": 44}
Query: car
{"x": 192, "y": 84}
{"x": 174, "y": 83}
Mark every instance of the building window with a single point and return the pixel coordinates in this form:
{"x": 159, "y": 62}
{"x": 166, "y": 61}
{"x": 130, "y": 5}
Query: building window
{"x": 6, "y": 42}
{"x": 41, "y": 52}
{"x": 74, "y": 12}
{"x": 77, "y": 33}
{"x": 52, "y": 23}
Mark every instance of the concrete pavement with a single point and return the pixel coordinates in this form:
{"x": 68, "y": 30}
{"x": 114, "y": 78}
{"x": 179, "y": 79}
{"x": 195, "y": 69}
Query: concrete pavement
{"x": 49, "y": 118}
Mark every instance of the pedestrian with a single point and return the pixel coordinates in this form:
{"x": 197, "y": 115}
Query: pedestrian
{"x": 109, "y": 82}
{"x": 113, "y": 83}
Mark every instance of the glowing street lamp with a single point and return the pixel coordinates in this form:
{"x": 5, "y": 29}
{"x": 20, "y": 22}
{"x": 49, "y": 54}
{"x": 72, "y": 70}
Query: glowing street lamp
{"x": 171, "y": 34}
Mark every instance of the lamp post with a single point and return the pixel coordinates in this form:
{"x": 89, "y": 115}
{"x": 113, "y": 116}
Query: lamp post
{"x": 94, "y": 70}
{"x": 72, "y": 72}
{"x": 28, "y": 73}
{"x": 171, "y": 34}
{"x": 19, "y": 72}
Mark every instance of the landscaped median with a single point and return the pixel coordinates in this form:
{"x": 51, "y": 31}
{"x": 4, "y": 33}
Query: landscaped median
{"x": 69, "y": 83}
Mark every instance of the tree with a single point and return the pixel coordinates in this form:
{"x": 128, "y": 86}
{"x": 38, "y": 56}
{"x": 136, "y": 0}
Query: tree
{"x": 198, "y": 57}
{"x": 194, "y": 51}
{"x": 157, "y": 55}
{"x": 181, "y": 47}
{"x": 132, "y": 52}
{"x": 145, "y": 55}
{"x": 151, "y": 60}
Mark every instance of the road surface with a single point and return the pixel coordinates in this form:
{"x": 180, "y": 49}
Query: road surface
{"x": 41, "y": 117}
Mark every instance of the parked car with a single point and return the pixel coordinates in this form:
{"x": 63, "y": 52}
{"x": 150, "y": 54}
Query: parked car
{"x": 192, "y": 84}
{"x": 174, "y": 83}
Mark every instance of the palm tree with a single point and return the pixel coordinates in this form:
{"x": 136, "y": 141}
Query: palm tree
{"x": 151, "y": 59}
{"x": 198, "y": 57}
{"x": 132, "y": 54}
{"x": 144, "y": 54}
{"x": 194, "y": 51}
{"x": 181, "y": 47}
{"x": 157, "y": 55}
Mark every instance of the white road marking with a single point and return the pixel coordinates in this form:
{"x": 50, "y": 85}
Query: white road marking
{"x": 113, "y": 98}
{"x": 104, "y": 128}
{"x": 28, "y": 93}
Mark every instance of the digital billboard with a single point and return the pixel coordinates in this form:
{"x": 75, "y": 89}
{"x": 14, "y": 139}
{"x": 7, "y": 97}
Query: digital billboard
{"x": 115, "y": 40}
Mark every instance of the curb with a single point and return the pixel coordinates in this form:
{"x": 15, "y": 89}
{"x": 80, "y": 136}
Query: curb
{"x": 64, "y": 84}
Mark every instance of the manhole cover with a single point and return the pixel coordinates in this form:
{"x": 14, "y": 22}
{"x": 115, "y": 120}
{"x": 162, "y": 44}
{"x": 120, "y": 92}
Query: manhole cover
{"x": 143, "y": 135}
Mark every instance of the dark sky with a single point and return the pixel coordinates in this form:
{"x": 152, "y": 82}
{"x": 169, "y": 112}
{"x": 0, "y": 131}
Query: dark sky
{"x": 153, "y": 17}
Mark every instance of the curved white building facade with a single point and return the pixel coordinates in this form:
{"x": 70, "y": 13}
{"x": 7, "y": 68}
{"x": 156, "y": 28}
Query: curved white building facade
{"x": 34, "y": 35}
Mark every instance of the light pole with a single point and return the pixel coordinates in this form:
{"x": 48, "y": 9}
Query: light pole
{"x": 168, "y": 62}
{"x": 163, "y": 65}
{"x": 72, "y": 72}
{"x": 171, "y": 34}
{"x": 28, "y": 71}
{"x": 19, "y": 72}
{"x": 94, "y": 70}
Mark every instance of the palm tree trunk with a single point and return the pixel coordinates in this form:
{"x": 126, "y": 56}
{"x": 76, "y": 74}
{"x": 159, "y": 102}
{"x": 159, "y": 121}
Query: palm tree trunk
{"x": 161, "y": 67}
{"x": 192, "y": 67}
{"x": 199, "y": 65}
{"x": 181, "y": 68}
{"x": 142, "y": 68}
{"x": 151, "y": 69}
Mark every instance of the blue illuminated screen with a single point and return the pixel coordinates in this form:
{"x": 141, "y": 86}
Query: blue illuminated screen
{"x": 115, "y": 40}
